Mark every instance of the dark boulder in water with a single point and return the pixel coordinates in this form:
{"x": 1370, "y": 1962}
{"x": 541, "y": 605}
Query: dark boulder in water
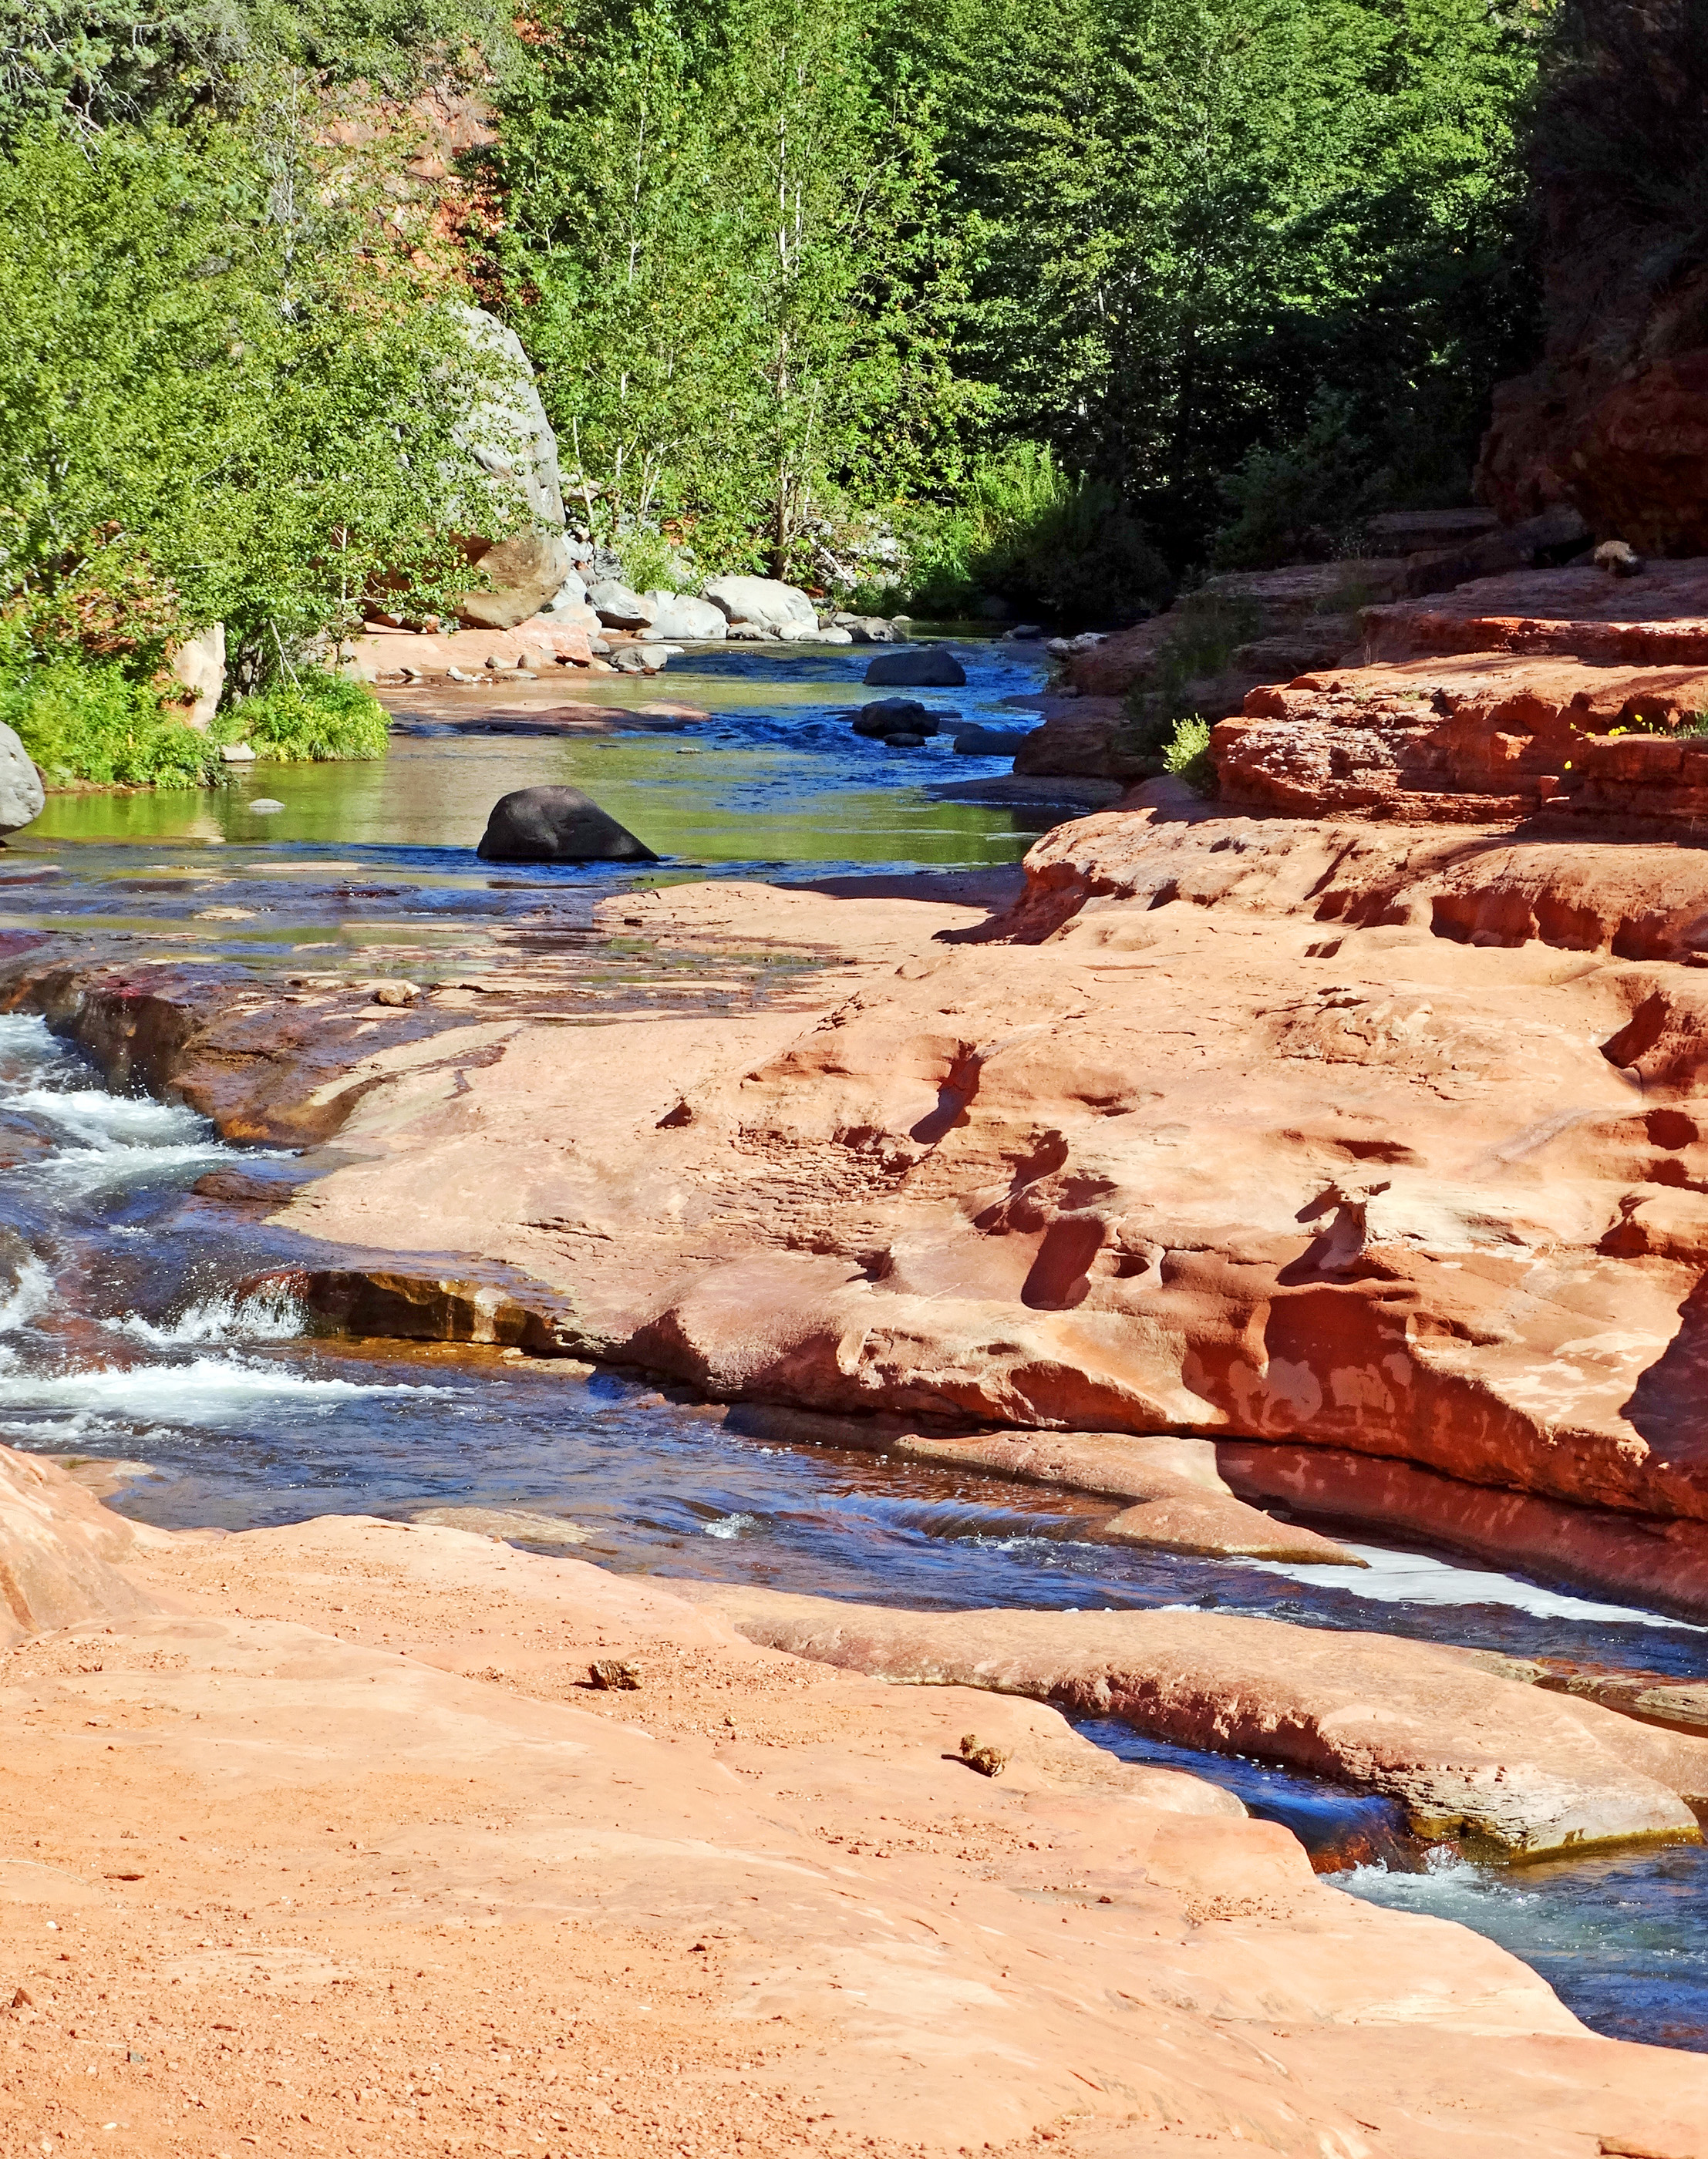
{"x": 894, "y": 716}
{"x": 556, "y": 825}
{"x": 933, "y": 669}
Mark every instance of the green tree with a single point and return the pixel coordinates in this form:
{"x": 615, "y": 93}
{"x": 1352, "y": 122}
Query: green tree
{"x": 727, "y": 253}
{"x": 1189, "y": 217}
{"x": 209, "y": 411}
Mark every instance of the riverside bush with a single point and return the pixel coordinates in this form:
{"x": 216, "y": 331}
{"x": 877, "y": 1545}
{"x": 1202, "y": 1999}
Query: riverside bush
{"x": 1029, "y": 532}
{"x": 1188, "y": 755}
{"x": 310, "y": 719}
{"x": 86, "y": 721}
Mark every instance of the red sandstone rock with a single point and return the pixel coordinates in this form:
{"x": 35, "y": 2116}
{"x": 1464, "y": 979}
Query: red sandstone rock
{"x": 1660, "y": 618}
{"x": 1484, "y": 738}
{"x": 760, "y": 1900}
{"x": 1284, "y": 1131}
{"x": 1463, "y": 1751}
{"x": 1638, "y": 468}
{"x": 1641, "y": 1560}
{"x": 540, "y": 643}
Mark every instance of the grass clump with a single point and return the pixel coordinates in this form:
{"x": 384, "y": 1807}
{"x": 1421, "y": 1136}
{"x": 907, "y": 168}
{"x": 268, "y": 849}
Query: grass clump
{"x": 309, "y": 718}
{"x": 95, "y": 722}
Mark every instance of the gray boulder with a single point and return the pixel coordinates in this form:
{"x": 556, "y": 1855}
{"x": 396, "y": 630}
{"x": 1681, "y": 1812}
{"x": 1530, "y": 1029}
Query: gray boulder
{"x": 556, "y": 825}
{"x": 766, "y": 601}
{"x": 21, "y": 796}
{"x": 505, "y": 432}
{"x": 680, "y": 614}
{"x": 572, "y": 592}
{"x": 523, "y": 573}
{"x": 931, "y": 668}
{"x": 617, "y": 607}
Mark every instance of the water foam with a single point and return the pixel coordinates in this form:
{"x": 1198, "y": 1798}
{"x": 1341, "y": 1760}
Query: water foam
{"x": 275, "y": 1313}
{"x": 1404, "y": 1578}
{"x": 189, "y": 1393}
{"x": 92, "y": 1118}
{"x": 30, "y": 1295}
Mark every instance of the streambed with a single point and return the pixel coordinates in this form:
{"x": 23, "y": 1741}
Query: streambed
{"x": 123, "y": 1337}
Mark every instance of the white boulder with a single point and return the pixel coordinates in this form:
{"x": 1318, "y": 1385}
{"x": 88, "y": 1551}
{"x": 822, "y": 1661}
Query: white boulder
{"x": 766, "y": 602}
{"x": 199, "y": 664}
{"x": 572, "y": 592}
{"x": 680, "y": 614}
{"x": 617, "y": 608}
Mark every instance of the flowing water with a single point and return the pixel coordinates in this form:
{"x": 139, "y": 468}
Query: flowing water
{"x": 122, "y": 1337}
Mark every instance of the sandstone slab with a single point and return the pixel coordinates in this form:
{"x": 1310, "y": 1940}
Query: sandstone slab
{"x": 760, "y": 1894}
{"x": 1463, "y": 1752}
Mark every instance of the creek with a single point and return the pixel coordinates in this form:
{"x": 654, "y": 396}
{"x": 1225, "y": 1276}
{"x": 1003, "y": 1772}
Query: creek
{"x": 122, "y": 1336}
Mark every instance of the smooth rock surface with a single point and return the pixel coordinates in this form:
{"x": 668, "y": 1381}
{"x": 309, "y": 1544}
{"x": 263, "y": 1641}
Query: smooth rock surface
{"x": 57, "y": 1549}
{"x": 617, "y": 607}
{"x": 198, "y": 664}
{"x": 1463, "y": 1752}
{"x": 507, "y": 434}
{"x": 759, "y": 1895}
{"x": 680, "y": 614}
{"x": 556, "y": 825}
{"x": 524, "y": 572}
{"x": 784, "y": 610}
{"x": 1312, "y": 1134}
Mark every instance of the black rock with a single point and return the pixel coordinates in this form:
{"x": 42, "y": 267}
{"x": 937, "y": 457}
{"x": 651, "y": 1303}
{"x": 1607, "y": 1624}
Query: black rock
{"x": 931, "y": 669}
{"x": 894, "y": 716}
{"x": 556, "y": 825}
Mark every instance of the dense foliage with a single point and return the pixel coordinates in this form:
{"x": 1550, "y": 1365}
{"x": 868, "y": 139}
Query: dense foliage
{"x": 1059, "y": 304}
{"x": 306, "y": 717}
{"x": 1251, "y": 266}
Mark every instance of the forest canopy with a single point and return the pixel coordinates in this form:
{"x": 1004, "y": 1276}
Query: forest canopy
{"x": 1067, "y": 304}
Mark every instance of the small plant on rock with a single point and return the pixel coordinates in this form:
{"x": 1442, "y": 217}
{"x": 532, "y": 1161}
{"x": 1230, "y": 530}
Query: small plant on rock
{"x": 1188, "y": 756}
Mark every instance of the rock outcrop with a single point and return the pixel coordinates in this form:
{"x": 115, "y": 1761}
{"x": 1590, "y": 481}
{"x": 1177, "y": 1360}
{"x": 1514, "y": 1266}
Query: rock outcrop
{"x": 1614, "y": 419}
{"x": 761, "y": 1902}
{"x": 1505, "y": 697}
{"x": 1338, "y": 1137}
{"x": 507, "y": 436}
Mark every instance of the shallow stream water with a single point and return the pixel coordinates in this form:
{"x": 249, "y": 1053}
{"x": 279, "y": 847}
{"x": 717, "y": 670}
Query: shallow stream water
{"x": 124, "y": 1337}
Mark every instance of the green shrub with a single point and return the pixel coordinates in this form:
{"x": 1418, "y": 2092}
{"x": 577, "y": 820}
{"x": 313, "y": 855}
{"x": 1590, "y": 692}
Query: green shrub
{"x": 89, "y": 720}
{"x": 1031, "y": 532}
{"x": 1188, "y": 756}
{"x": 651, "y": 563}
{"x": 311, "y": 718}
